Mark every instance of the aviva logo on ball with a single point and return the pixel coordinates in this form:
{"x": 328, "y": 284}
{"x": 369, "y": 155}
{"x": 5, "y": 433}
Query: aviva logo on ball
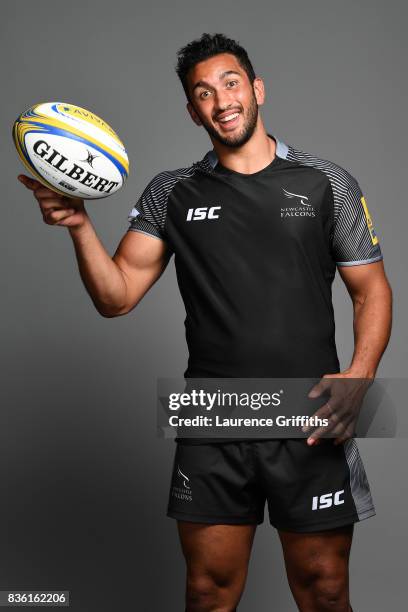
{"x": 71, "y": 150}
{"x": 81, "y": 113}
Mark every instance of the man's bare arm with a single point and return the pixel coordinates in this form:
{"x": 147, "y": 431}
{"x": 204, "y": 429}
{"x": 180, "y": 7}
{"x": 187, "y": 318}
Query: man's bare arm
{"x": 115, "y": 284}
{"x": 141, "y": 259}
{"x": 372, "y": 302}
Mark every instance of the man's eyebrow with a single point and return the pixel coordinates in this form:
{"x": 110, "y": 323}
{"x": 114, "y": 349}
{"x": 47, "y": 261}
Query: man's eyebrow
{"x": 227, "y": 72}
{"x": 222, "y": 76}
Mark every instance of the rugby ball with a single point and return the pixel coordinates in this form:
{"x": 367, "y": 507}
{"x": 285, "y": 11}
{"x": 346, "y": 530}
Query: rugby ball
{"x": 71, "y": 150}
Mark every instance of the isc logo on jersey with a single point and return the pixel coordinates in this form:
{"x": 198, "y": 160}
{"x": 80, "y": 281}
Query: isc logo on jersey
{"x": 71, "y": 150}
{"x": 204, "y": 212}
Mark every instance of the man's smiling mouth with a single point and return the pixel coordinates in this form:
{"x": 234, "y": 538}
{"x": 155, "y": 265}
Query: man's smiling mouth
{"x": 230, "y": 117}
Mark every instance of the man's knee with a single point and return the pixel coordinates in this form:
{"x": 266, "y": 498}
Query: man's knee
{"x": 206, "y": 594}
{"x": 329, "y": 589}
{"x": 331, "y": 594}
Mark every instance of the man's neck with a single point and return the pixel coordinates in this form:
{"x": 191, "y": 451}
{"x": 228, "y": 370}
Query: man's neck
{"x": 255, "y": 155}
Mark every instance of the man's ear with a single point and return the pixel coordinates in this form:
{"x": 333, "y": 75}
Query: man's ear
{"x": 193, "y": 114}
{"x": 259, "y": 89}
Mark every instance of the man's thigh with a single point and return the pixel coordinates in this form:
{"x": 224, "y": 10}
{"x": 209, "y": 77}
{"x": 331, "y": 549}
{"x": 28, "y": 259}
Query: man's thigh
{"x": 216, "y": 547}
{"x": 217, "y": 556}
{"x": 317, "y": 565}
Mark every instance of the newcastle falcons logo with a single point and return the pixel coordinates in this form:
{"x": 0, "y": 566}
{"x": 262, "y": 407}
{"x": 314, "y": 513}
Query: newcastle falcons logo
{"x": 183, "y": 477}
{"x": 90, "y": 158}
{"x": 302, "y": 198}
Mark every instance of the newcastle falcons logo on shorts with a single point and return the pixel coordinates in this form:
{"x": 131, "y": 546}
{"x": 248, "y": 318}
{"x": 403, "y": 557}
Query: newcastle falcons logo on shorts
{"x": 182, "y": 491}
{"x": 184, "y": 477}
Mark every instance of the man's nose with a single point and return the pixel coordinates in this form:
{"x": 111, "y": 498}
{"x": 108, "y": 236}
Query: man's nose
{"x": 223, "y": 100}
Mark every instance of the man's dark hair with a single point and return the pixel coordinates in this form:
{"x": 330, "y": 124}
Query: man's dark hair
{"x": 205, "y": 47}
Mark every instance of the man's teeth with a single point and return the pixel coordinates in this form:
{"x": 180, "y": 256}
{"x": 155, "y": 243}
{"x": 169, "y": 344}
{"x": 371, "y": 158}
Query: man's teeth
{"x": 229, "y": 118}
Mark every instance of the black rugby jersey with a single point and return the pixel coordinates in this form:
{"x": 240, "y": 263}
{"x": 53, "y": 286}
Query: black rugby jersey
{"x": 256, "y": 256}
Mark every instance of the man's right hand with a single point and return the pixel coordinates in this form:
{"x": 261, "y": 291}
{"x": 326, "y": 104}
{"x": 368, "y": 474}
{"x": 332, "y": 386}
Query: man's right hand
{"x": 56, "y": 209}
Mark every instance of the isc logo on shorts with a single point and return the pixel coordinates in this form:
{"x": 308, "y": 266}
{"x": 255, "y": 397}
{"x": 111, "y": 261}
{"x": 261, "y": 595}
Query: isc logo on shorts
{"x": 327, "y": 500}
{"x": 205, "y": 212}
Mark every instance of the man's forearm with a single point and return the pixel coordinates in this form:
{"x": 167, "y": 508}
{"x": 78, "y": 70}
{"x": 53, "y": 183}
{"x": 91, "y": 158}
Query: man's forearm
{"x": 101, "y": 276}
{"x": 372, "y": 328}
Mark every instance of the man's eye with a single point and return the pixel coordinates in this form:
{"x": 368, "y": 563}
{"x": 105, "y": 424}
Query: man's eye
{"x": 231, "y": 83}
{"x": 204, "y": 94}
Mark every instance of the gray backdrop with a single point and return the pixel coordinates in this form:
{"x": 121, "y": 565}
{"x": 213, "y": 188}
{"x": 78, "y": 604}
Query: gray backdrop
{"x": 84, "y": 480}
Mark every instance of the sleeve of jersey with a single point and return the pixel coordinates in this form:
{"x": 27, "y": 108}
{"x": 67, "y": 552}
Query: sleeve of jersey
{"x": 149, "y": 213}
{"x": 354, "y": 239}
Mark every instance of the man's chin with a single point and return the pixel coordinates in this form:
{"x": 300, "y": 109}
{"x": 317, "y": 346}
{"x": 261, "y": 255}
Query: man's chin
{"x": 232, "y": 141}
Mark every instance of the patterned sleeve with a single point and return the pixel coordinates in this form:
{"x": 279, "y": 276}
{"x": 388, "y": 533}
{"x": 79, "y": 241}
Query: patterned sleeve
{"x": 354, "y": 239}
{"x": 149, "y": 213}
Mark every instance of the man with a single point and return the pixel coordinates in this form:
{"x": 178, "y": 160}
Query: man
{"x": 257, "y": 228}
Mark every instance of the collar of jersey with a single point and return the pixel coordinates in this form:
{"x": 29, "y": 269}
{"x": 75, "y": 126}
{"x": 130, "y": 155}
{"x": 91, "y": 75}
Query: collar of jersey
{"x": 282, "y": 149}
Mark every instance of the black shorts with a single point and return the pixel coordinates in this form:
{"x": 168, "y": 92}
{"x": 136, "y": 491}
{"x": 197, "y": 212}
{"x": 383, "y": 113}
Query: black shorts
{"x": 307, "y": 488}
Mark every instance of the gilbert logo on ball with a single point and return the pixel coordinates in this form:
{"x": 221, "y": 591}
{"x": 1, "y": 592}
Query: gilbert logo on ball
{"x": 71, "y": 150}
